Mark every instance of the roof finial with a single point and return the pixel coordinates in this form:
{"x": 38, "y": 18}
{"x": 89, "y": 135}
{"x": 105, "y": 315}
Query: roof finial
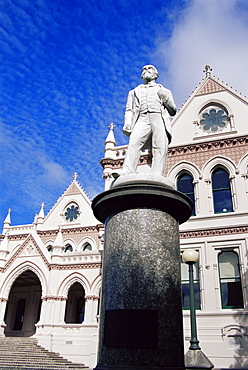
{"x": 41, "y": 213}
{"x": 111, "y": 126}
{"x": 207, "y": 70}
{"x": 75, "y": 176}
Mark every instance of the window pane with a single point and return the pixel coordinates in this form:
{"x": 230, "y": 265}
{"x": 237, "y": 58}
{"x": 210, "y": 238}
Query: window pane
{"x": 186, "y": 186}
{"x": 220, "y": 179}
{"x": 222, "y": 195}
{"x": 230, "y": 282}
{"x": 222, "y": 201}
{"x": 231, "y": 294}
{"x": 228, "y": 265}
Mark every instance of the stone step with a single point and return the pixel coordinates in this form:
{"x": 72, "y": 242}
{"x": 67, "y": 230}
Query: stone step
{"x": 18, "y": 353}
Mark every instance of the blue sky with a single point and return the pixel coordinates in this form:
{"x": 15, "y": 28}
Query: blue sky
{"x": 66, "y": 68}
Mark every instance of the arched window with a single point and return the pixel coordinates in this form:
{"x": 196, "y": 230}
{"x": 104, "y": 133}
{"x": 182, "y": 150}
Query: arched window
{"x": 230, "y": 280}
{"x": 68, "y": 248}
{"x": 222, "y": 195}
{"x": 186, "y": 186}
{"x": 185, "y": 285}
{"x": 50, "y": 249}
{"x": 75, "y": 305}
{"x": 87, "y": 247}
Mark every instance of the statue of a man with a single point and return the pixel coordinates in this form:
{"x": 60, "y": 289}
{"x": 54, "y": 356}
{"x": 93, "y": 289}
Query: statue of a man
{"x": 147, "y": 122}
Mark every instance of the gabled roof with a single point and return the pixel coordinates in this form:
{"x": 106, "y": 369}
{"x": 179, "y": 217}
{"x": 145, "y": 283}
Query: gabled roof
{"x": 29, "y": 247}
{"x": 74, "y": 193}
{"x": 210, "y": 91}
{"x": 209, "y": 85}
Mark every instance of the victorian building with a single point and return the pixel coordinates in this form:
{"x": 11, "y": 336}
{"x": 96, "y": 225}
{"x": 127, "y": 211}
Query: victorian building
{"x": 50, "y": 271}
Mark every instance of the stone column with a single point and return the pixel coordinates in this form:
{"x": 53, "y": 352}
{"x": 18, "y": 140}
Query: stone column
{"x": 141, "y": 312}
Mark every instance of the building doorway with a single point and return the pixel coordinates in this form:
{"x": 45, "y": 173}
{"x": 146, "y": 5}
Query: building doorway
{"x": 24, "y": 305}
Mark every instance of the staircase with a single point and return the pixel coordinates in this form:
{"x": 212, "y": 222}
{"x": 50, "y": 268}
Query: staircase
{"x": 24, "y": 353}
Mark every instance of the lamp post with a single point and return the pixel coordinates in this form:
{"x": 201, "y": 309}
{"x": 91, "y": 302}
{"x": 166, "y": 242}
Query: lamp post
{"x": 194, "y": 358}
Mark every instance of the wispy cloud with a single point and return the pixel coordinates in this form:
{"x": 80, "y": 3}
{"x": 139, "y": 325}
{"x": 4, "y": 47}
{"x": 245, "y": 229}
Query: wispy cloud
{"x": 210, "y": 32}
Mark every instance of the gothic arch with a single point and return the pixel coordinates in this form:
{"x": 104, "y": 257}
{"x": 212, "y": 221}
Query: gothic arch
{"x": 184, "y": 166}
{"x": 219, "y": 161}
{"x": 220, "y": 102}
{"x": 86, "y": 240}
{"x": 70, "y": 242}
{"x": 70, "y": 280}
{"x": 11, "y": 278}
{"x": 96, "y": 285}
{"x": 243, "y": 165}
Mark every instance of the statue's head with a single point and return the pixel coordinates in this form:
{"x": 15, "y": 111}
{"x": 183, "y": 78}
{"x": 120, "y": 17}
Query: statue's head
{"x": 149, "y": 73}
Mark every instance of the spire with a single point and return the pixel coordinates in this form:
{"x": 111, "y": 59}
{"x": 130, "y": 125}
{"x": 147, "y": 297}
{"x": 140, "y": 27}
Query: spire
{"x": 7, "y": 222}
{"x": 207, "y": 70}
{"x": 41, "y": 214}
{"x": 110, "y": 142}
{"x": 59, "y": 242}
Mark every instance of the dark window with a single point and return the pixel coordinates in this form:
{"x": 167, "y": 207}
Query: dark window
{"x": 75, "y": 305}
{"x": 222, "y": 195}
{"x": 185, "y": 285}
{"x": 186, "y": 186}
{"x": 87, "y": 247}
{"x": 50, "y": 249}
{"x": 230, "y": 281}
{"x": 68, "y": 248}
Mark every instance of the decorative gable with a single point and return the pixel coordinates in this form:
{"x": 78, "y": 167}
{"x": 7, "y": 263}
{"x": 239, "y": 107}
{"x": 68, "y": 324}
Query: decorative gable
{"x": 30, "y": 247}
{"x": 72, "y": 209}
{"x": 210, "y": 86}
{"x": 214, "y": 111}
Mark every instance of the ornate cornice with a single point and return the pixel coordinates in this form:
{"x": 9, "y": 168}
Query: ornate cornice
{"x": 193, "y": 148}
{"x": 18, "y": 236}
{"x": 206, "y": 146}
{"x": 75, "y": 266}
{"x": 91, "y": 298}
{"x": 213, "y": 232}
{"x": 118, "y": 163}
{"x": 53, "y": 298}
{"x": 72, "y": 230}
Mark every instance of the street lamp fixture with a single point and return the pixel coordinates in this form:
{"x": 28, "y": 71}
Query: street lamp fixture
{"x": 194, "y": 358}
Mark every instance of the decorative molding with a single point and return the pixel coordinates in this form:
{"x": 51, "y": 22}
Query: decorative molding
{"x": 53, "y": 298}
{"x": 237, "y": 143}
{"x": 91, "y": 298}
{"x": 29, "y": 241}
{"x": 209, "y": 87}
{"x": 213, "y": 232}
{"x": 18, "y": 236}
{"x": 72, "y": 230}
{"x": 76, "y": 266}
{"x": 72, "y": 190}
{"x": 201, "y": 147}
{"x": 2, "y": 299}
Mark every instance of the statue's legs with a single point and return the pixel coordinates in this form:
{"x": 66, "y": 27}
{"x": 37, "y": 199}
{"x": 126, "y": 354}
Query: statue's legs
{"x": 139, "y": 136}
{"x": 159, "y": 144}
{"x": 147, "y": 124}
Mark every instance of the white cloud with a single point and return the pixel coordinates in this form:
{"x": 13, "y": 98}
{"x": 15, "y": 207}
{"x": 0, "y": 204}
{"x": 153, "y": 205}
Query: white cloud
{"x": 211, "y": 32}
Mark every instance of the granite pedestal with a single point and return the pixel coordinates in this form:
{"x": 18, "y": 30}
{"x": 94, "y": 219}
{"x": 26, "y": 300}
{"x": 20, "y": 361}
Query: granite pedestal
{"x": 141, "y": 312}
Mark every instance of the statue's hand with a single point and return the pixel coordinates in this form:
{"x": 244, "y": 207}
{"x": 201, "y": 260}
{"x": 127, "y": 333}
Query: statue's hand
{"x": 127, "y": 130}
{"x": 163, "y": 96}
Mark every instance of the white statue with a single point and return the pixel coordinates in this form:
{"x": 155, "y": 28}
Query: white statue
{"x": 147, "y": 122}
